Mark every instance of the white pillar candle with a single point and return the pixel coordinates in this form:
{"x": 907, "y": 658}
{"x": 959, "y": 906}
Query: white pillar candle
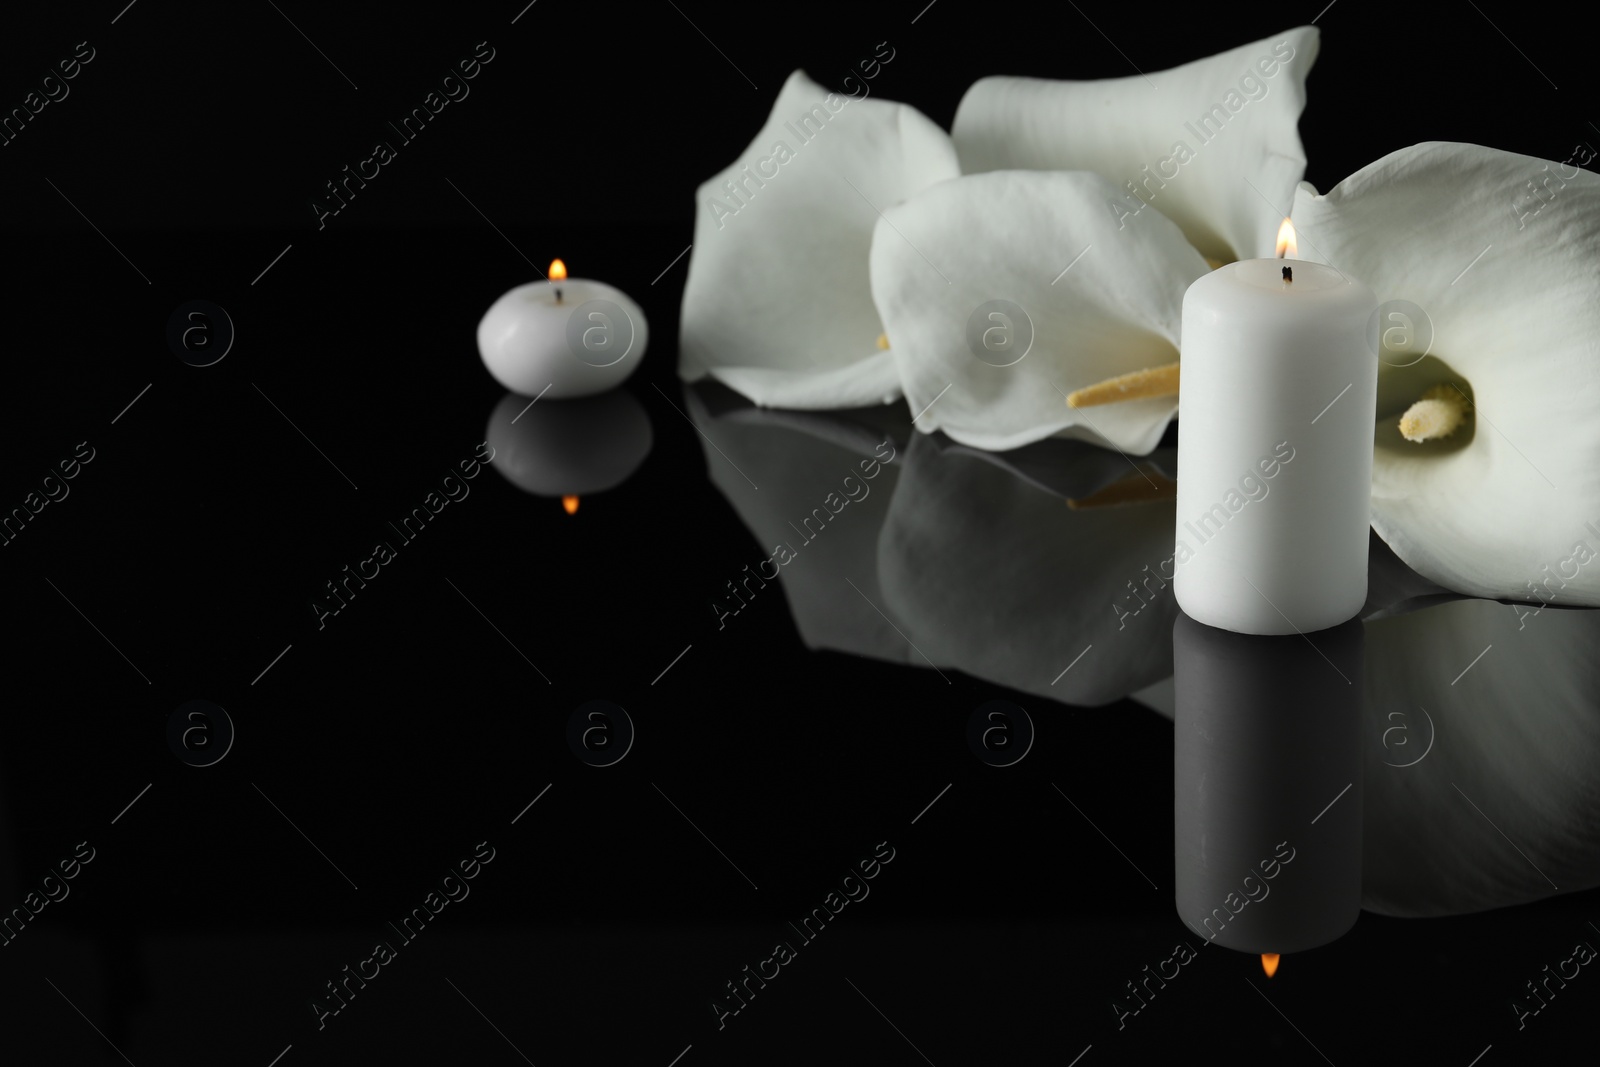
{"x": 562, "y": 337}
{"x": 1275, "y": 447}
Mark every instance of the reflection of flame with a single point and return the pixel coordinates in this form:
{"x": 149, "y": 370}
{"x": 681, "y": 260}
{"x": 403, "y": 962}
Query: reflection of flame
{"x": 571, "y": 504}
{"x": 1287, "y": 248}
{"x": 558, "y": 270}
{"x": 1269, "y": 960}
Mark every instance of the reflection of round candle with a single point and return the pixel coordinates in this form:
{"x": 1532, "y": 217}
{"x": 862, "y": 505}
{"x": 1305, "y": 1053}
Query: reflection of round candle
{"x": 562, "y": 337}
{"x": 1275, "y": 447}
{"x": 569, "y": 450}
{"x": 1266, "y": 735}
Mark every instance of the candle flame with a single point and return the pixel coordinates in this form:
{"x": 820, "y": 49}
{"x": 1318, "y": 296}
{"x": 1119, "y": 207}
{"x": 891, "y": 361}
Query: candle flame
{"x": 1287, "y": 247}
{"x": 569, "y": 502}
{"x": 1269, "y": 963}
{"x": 558, "y": 271}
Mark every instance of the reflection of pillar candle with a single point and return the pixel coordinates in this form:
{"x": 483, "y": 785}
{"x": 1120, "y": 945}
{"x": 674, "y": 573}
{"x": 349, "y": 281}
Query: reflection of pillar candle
{"x": 570, "y": 448}
{"x": 1267, "y": 842}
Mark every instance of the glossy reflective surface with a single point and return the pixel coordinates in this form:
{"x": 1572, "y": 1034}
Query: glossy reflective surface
{"x": 672, "y": 731}
{"x": 357, "y": 712}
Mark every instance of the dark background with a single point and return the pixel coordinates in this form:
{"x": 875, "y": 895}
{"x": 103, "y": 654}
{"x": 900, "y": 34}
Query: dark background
{"x": 407, "y": 730}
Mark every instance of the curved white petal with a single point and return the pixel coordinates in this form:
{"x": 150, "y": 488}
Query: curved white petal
{"x": 800, "y": 463}
{"x": 1508, "y": 274}
{"x": 1503, "y": 804}
{"x": 1097, "y": 301}
{"x": 777, "y": 304}
{"x": 1192, "y": 140}
{"x": 1394, "y": 588}
{"x": 986, "y": 573}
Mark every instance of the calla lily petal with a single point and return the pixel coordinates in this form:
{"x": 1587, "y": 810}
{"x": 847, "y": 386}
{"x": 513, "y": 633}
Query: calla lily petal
{"x": 777, "y": 304}
{"x": 1395, "y": 589}
{"x": 1185, "y": 140}
{"x": 1498, "y": 257}
{"x": 1003, "y": 292}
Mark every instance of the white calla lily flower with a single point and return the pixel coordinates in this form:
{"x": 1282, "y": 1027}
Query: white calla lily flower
{"x": 1211, "y": 144}
{"x": 1040, "y": 274}
{"x": 777, "y": 305}
{"x": 1487, "y": 267}
{"x": 1003, "y": 293}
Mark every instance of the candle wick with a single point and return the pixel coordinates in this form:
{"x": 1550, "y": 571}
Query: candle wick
{"x": 1288, "y": 275}
{"x": 558, "y": 291}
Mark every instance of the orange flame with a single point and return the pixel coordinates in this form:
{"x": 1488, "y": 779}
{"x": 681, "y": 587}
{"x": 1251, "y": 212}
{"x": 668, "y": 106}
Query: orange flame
{"x": 1288, "y": 248}
{"x": 558, "y": 271}
{"x": 571, "y": 502}
{"x": 1269, "y": 963}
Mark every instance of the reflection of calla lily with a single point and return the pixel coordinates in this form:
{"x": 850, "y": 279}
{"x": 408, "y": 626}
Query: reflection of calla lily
{"x": 777, "y": 304}
{"x": 1187, "y": 140}
{"x": 1210, "y": 147}
{"x": 1085, "y": 477}
{"x": 1498, "y": 253}
{"x": 1480, "y": 793}
{"x": 1479, "y": 772}
{"x": 799, "y": 460}
{"x": 989, "y": 574}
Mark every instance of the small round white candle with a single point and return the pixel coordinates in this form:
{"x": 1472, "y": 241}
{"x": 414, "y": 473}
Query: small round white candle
{"x": 562, "y": 337}
{"x": 1275, "y": 437}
